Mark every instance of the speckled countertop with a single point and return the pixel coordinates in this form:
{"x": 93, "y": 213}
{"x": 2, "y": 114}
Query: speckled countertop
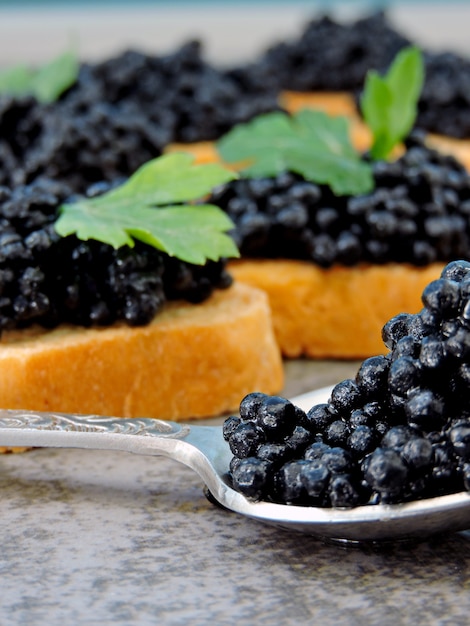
{"x": 111, "y": 538}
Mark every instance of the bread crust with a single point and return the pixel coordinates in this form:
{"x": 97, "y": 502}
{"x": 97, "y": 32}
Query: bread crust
{"x": 192, "y": 361}
{"x": 337, "y": 312}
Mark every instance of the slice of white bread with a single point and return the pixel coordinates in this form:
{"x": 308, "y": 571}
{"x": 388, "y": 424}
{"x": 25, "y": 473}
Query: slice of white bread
{"x": 338, "y": 312}
{"x": 192, "y": 361}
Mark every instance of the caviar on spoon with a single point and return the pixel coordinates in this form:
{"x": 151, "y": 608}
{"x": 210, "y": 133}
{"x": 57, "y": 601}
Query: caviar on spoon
{"x": 203, "y": 449}
{"x": 398, "y": 432}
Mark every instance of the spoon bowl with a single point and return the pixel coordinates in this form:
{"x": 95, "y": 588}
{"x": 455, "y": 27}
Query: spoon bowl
{"x": 204, "y": 449}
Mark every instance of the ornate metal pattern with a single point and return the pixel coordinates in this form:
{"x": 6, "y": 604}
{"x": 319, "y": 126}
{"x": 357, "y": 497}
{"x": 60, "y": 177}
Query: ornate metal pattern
{"x": 146, "y": 427}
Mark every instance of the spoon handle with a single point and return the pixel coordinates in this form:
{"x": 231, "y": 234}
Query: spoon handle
{"x": 139, "y": 435}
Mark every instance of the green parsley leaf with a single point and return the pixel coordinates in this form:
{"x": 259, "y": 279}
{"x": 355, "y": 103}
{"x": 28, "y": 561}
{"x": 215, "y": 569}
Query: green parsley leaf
{"x": 45, "y": 83}
{"x": 15, "y": 80}
{"x": 389, "y": 104}
{"x": 310, "y": 143}
{"x": 55, "y": 77}
{"x": 143, "y": 208}
{"x": 334, "y": 161}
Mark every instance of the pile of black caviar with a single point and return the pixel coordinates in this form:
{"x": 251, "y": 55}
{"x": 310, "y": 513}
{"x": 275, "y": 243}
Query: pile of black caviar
{"x": 121, "y": 113}
{"x": 417, "y": 213}
{"x": 331, "y": 55}
{"x": 328, "y": 55}
{"x": 46, "y": 279}
{"x": 399, "y": 432}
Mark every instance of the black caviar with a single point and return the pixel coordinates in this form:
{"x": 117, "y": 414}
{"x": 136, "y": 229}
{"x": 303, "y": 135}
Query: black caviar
{"x": 399, "y": 431}
{"x": 328, "y": 55}
{"x": 417, "y": 213}
{"x": 444, "y": 105}
{"x": 46, "y": 279}
{"x": 121, "y": 113}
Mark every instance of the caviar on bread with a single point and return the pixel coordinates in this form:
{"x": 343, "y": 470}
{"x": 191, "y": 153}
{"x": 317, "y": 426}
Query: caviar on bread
{"x": 336, "y": 266}
{"x": 337, "y": 263}
{"x": 399, "y": 431}
{"x": 190, "y": 361}
{"x": 323, "y": 312}
{"x": 125, "y": 330}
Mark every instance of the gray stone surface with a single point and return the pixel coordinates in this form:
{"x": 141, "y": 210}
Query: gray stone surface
{"x": 103, "y": 537}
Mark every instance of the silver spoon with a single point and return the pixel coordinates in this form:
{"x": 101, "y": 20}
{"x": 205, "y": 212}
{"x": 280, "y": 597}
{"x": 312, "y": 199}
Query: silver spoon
{"x": 203, "y": 449}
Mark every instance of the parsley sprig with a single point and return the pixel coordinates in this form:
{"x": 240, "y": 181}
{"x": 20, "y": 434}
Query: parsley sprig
{"x": 318, "y": 146}
{"x": 389, "y": 103}
{"x": 46, "y": 83}
{"x": 148, "y": 207}
{"x": 310, "y": 143}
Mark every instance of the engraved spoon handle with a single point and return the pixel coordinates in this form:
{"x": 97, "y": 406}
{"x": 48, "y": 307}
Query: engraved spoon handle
{"x": 20, "y": 428}
{"x": 138, "y": 435}
{"x": 39, "y": 429}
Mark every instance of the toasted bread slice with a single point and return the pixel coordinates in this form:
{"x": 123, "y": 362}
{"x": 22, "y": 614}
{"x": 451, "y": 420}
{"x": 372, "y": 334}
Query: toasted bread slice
{"x": 338, "y": 312}
{"x": 192, "y": 361}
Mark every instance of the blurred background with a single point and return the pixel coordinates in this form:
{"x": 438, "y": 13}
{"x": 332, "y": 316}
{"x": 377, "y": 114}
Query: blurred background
{"x": 34, "y": 31}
